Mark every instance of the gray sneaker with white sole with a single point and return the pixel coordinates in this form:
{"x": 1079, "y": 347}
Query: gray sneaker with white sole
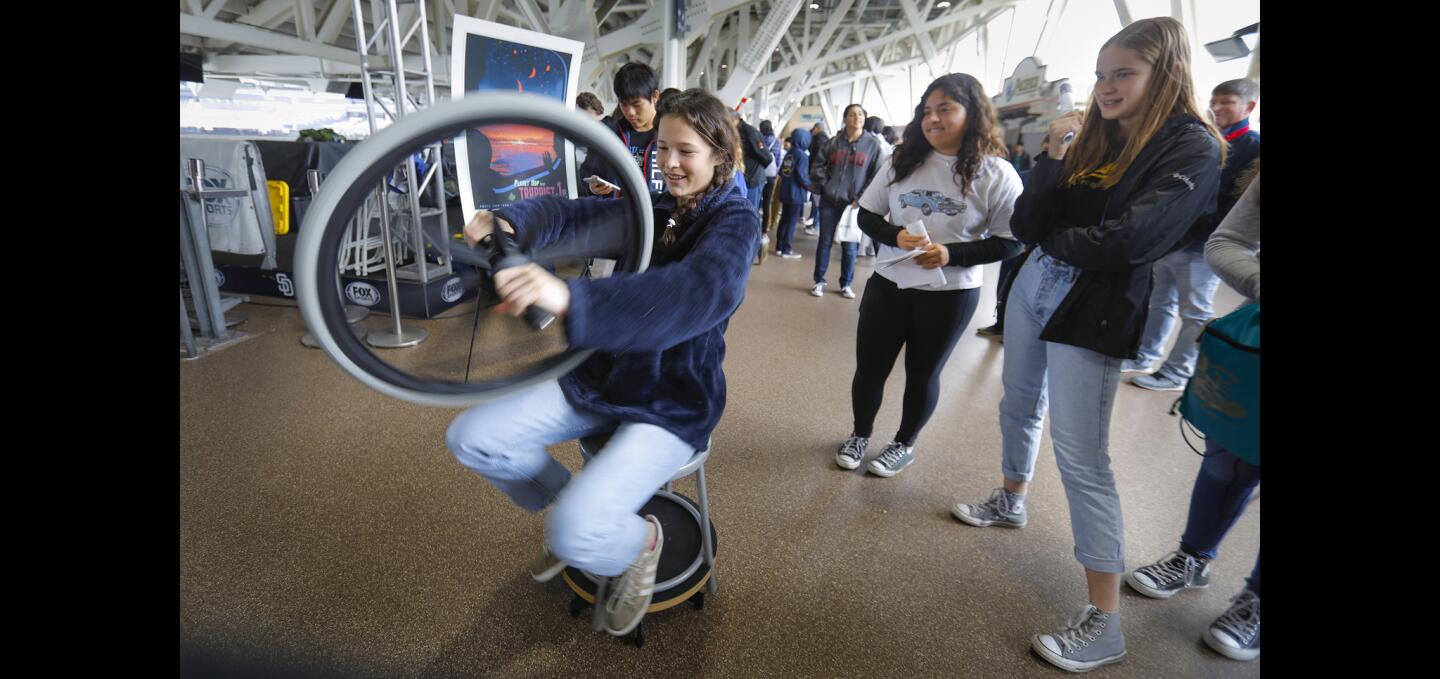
{"x": 1004, "y": 508}
{"x": 1093, "y": 638}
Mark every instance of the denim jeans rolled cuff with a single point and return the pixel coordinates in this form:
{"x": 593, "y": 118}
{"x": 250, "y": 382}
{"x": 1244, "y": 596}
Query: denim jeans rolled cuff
{"x": 1113, "y": 564}
{"x": 1253, "y": 582}
{"x": 1077, "y": 387}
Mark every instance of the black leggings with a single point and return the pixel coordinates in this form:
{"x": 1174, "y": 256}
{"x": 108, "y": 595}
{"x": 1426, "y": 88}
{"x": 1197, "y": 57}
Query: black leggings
{"x": 928, "y": 323}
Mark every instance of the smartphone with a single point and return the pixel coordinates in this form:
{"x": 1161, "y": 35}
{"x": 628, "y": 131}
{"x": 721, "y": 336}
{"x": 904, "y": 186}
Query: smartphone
{"x": 595, "y": 179}
{"x": 917, "y": 228}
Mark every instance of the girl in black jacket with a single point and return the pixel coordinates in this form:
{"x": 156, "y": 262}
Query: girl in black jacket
{"x": 1143, "y": 167}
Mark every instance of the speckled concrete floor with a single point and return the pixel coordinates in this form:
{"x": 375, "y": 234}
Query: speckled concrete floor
{"x": 326, "y": 531}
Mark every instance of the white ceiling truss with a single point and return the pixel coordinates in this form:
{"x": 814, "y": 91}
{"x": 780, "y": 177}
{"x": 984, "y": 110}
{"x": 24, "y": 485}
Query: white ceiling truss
{"x": 777, "y": 52}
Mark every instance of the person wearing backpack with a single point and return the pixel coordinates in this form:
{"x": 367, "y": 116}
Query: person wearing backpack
{"x": 1226, "y": 481}
{"x": 772, "y": 171}
{"x": 757, "y": 157}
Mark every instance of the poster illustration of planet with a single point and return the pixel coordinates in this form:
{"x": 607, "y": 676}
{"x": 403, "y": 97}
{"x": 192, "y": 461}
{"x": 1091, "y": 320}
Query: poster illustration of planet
{"x": 502, "y": 163}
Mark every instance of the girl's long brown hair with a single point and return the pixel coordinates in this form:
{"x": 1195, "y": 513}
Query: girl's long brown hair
{"x": 1161, "y": 42}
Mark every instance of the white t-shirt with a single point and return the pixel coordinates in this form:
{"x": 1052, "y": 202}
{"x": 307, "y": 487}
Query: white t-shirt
{"x": 932, "y": 194}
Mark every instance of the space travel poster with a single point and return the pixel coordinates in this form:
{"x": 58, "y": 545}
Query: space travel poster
{"x": 502, "y": 163}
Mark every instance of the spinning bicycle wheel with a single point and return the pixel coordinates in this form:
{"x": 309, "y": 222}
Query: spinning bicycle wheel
{"x": 624, "y": 237}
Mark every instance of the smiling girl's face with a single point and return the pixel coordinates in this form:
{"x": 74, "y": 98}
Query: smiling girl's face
{"x": 687, "y": 160}
{"x": 1121, "y": 77}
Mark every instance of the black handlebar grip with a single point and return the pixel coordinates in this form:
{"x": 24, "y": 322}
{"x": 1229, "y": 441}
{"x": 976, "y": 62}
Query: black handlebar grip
{"x": 506, "y": 253}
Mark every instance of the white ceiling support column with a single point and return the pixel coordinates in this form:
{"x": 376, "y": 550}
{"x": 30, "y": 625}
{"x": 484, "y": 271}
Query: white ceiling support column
{"x": 927, "y": 47}
{"x": 811, "y": 61}
{"x": 907, "y": 62}
{"x": 533, "y": 15}
{"x": 1254, "y": 73}
{"x": 269, "y": 13}
{"x": 195, "y": 8}
{"x": 672, "y": 70}
{"x": 334, "y": 21}
{"x": 1052, "y": 16}
{"x": 259, "y": 37}
{"x": 305, "y": 19}
{"x": 827, "y": 108}
{"x": 491, "y": 7}
{"x": 985, "y": 12}
{"x": 758, "y": 48}
{"x": 213, "y": 9}
{"x": 603, "y": 11}
{"x": 702, "y": 60}
{"x": 875, "y": 69}
{"x": 1122, "y": 9}
{"x": 1183, "y": 11}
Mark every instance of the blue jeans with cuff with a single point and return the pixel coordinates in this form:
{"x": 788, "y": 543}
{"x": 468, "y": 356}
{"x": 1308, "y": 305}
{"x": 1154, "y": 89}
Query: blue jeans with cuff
{"x": 1080, "y": 385}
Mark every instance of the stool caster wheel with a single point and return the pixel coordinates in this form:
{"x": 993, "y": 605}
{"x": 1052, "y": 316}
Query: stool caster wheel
{"x": 698, "y": 600}
{"x": 577, "y": 606}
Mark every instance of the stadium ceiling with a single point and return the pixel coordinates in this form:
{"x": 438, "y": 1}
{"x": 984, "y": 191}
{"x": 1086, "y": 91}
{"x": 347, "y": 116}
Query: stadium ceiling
{"x": 775, "y": 51}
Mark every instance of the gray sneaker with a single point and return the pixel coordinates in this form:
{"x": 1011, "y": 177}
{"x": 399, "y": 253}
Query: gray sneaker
{"x": 1158, "y": 382}
{"x": 1092, "y": 639}
{"x": 546, "y": 566}
{"x": 894, "y": 458}
{"x": 852, "y": 451}
{"x": 1236, "y": 634}
{"x": 1173, "y": 574}
{"x": 1129, "y": 366}
{"x": 1003, "y": 508}
{"x": 627, "y": 603}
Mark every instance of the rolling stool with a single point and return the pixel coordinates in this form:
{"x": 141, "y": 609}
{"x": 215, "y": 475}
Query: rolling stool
{"x": 687, "y": 563}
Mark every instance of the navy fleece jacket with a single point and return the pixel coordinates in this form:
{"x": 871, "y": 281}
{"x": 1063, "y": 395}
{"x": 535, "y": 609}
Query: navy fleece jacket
{"x": 795, "y": 171}
{"x": 659, "y": 334}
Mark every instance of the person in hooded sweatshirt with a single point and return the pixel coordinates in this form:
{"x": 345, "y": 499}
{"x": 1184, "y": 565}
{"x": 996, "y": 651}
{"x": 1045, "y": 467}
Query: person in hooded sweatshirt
{"x": 850, "y": 160}
{"x": 794, "y": 190}
{"x": 655, "y": 378}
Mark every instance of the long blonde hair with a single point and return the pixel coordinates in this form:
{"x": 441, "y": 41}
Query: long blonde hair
{"x": 1161, "y": 42}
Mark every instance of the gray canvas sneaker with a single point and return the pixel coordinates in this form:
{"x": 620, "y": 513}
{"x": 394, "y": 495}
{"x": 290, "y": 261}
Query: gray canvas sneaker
{"x": 1169, "y": 576}
{"x": 1236, "y": 634}
{"x": 852, "y": 451}
{"x": 892, "y": 460}
{"x": 546, "y": 566}
{"x": 1093, "y": 638}
{"x": 1002, "y": 509}
{"x": 630, "y": 598}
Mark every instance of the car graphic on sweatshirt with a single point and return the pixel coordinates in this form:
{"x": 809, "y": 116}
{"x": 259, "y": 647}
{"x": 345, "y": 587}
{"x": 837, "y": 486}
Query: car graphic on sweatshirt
{"x": 931, "y": 201}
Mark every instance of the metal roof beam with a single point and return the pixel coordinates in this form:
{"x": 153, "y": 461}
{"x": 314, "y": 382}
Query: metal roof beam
{"x": 259, "y": 37}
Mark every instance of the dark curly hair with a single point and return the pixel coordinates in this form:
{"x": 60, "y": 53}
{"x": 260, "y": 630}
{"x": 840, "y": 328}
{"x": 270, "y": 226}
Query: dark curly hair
{"x": 982, "y": 134}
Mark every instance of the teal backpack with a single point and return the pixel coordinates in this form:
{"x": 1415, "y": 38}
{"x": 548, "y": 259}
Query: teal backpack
{"x": 1222, "y": 399}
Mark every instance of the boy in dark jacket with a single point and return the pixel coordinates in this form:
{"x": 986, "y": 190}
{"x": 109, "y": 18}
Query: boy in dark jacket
{"x": 637, "y": 88}
{"x": 757, "y": 158}
{"x": 818, "y": 140}
{"x": 794, "y": 190}
{"x": 1184, "y": 284}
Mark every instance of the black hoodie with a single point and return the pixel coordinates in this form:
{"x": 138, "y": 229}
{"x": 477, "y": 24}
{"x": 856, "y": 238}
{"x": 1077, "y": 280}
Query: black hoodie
{"x": 1146, "y": 215}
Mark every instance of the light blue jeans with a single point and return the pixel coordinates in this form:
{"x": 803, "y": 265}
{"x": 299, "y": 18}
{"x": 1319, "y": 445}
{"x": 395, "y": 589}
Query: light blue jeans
{"x": 594, "y": 526}
{"x": 1080, "y": 384}
{"x": 1184, "y": 285}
